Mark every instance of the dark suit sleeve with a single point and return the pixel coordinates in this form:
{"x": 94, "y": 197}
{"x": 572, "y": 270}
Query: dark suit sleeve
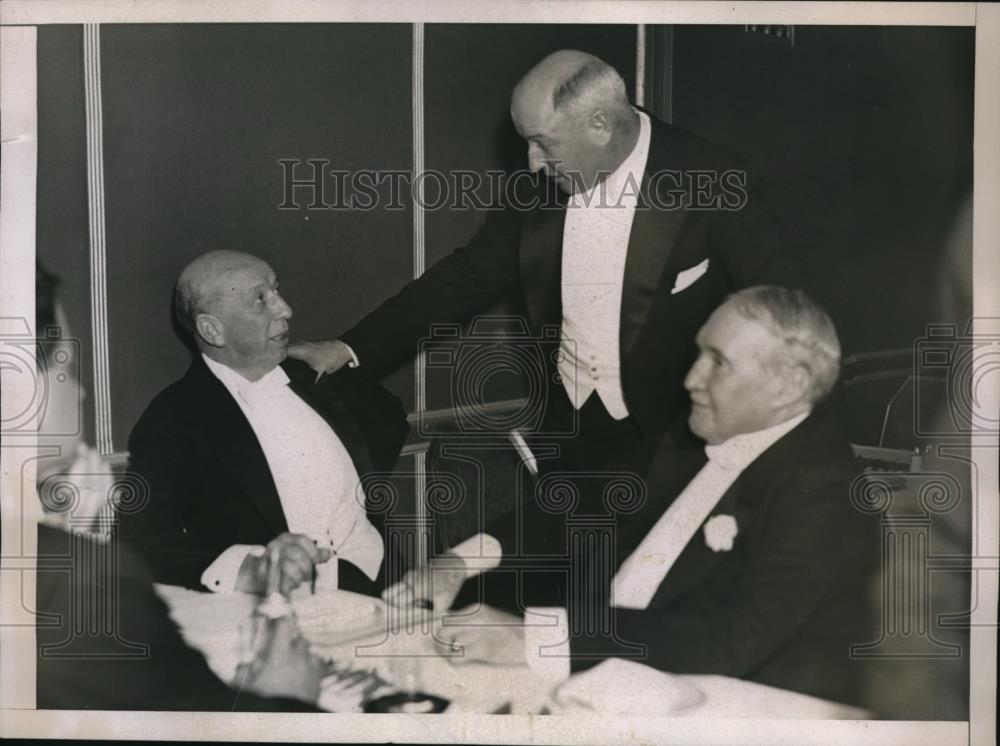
{"x": 751, "y": 240}
{"x": 379, "y": 415}
{"x": 468, "y": 279}
{"x": 162, "y": 459}
{"x": 747, "y": 610}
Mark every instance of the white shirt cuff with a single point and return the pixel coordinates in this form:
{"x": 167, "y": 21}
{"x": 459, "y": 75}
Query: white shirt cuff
{"x": 354, "y": 358}
{"x": 546, "y": 641}
{"x": 221, "y": 575}
{"x": 480, "y": 553}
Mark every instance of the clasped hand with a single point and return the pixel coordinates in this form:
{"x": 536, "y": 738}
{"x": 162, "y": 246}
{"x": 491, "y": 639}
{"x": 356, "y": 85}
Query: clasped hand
{"x": 282, "y": 664}
{"x": 295, "y": 556}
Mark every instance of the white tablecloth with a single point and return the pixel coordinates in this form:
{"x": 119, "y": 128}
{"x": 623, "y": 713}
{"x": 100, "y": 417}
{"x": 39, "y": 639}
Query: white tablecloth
{"x": 351, "y": 630}
{"x": 629, "y": 688}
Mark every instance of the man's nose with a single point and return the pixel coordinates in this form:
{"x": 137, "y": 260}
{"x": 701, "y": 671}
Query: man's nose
{"x": 695, "y": 376}
{"x": 281, "y": 309}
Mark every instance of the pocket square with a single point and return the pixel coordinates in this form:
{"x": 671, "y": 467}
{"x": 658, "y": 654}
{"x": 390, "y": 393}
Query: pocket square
{"x": 689, "y": 276}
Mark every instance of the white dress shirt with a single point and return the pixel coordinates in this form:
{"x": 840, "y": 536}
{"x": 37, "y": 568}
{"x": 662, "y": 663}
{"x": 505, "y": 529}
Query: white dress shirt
{"x": 639, "y": 576}
{"x": 595, "y": 246}
{"x": 315, "y": 477}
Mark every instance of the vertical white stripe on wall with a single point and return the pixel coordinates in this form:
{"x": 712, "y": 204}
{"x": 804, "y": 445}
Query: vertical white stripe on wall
{"x": 640, "y": 64}
{"x": 98, "y": 256}
{"x": 419, "y": 259}
{"x": 19, "y": 403}
{"x": 419, "y": 249}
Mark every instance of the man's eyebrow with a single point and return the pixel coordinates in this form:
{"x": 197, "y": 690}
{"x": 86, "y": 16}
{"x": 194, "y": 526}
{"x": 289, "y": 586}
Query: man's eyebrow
{"x": 257, "y": 288}
{"x": 715, "y": 351}
{"x": 269, "y": 282}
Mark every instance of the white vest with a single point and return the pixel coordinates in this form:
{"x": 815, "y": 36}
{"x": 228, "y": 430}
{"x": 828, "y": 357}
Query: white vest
{"x": 595, "y": 246}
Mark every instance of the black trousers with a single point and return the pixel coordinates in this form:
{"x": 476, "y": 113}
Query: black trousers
{"x": 561, "y": 544}
{"x": 593, "y": 448}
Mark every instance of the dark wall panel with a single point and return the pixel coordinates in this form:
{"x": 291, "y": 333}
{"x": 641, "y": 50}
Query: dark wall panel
{"x": 866, "y": 136}
{"x": 196, "y": 120}
{"x": 470, "y": 71}
{"x": 62, "y": 241}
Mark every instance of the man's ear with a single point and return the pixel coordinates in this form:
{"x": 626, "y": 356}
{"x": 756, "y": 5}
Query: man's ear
{"x": 210, "y": 330}
{"x": 600, "y": 128}
{"x": 795, "y": 382}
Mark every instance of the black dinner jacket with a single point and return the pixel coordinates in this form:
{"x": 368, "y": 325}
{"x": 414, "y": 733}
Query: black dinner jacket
{"x": 786, "y": 603}
{"x": 207, "y": 480}
{"x": 521, "y": 249}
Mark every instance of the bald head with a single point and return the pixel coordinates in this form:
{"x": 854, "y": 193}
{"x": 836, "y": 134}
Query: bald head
{"x": 572, "y": 80}
{"x": 200, "y": 285}
{"x": 573, "y": 110}
{"x": 228, "y": 301}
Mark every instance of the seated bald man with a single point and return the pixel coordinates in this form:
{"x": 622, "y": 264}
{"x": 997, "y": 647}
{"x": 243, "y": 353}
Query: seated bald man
{"x": 248, "y": 453}
{"x": 748, "y": 559}
{"x": 105, "y": 639}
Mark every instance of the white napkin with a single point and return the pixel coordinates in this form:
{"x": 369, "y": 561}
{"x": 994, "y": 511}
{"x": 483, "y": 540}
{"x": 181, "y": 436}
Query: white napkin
{"x": 622, "y": 687}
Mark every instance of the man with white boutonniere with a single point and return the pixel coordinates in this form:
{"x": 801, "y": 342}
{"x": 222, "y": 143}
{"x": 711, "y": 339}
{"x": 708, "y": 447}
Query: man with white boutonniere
{"x": 749, "y": 559}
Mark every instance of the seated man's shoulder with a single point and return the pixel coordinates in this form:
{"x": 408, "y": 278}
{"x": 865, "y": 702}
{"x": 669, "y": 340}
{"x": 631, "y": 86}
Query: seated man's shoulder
{"x": 814, "y": 477}
{"x": 815, "y": 457}
{"x": 176, "y": 403}
{"x": 824, "y": 443}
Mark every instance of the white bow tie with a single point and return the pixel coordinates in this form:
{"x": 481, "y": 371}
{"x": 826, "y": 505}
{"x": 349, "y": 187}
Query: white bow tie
{"x": 274, "y": 379}
{"x": 733, "y": 454}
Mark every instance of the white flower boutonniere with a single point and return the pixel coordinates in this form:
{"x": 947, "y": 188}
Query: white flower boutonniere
{"x": 720, "y": 530}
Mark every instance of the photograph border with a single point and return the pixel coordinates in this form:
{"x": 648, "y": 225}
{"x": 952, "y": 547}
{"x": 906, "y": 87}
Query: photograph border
{"x": 17, "y": 192}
